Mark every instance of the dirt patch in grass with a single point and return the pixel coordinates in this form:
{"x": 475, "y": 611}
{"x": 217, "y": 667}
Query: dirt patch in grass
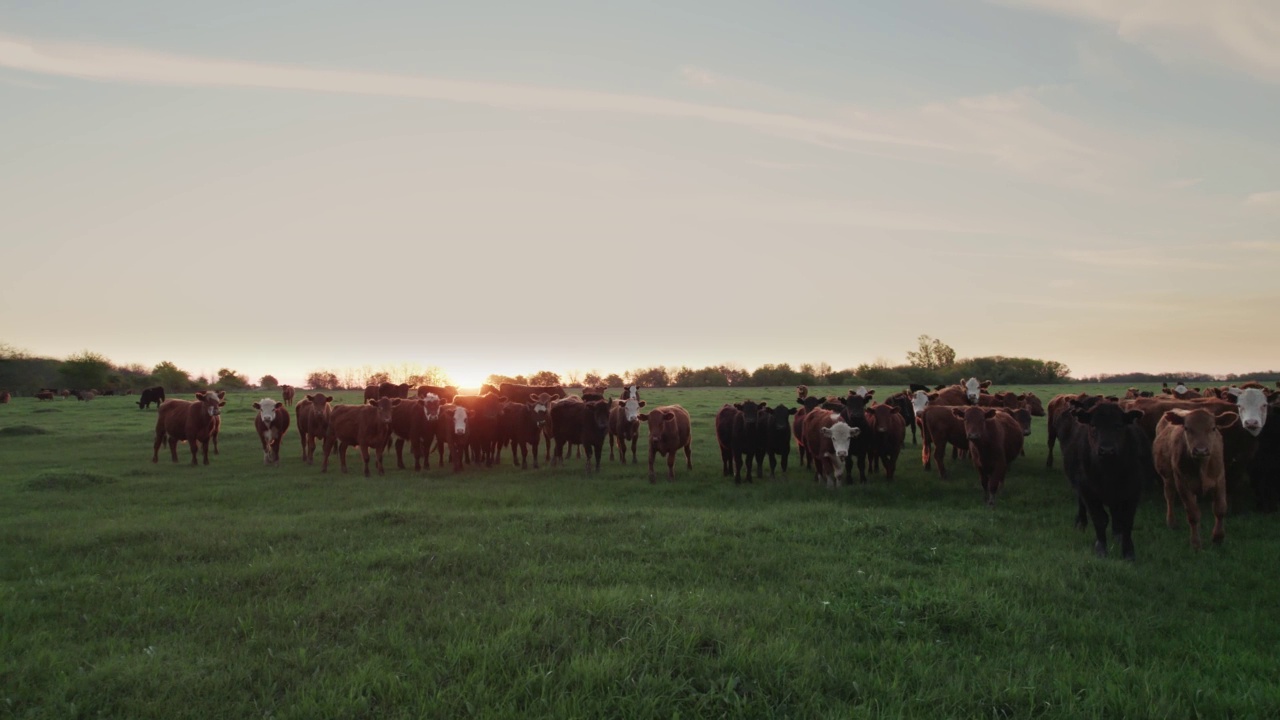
{"x": 68, "y": 480}
{"x": 22, "y": 430}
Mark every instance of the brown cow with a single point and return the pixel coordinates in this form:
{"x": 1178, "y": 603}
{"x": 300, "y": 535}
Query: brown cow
{"x": 313, "y": 423}
{"x": 188, "y": 421}
{"x": 46, "y": 395}
{"x": 525, "y": 393}
{"x": 365, "y": 426}
{"x": 624, "y": 425}
{"x": 446, "y": 393}
{"x": 370, "y": 393}
{"x": 995, "y": 439}
{"x": 271, "y": 422}
{"x": 4, "y": 397}
{"x": 889, "y": 431}
{"x": 668, "y": 432}
{"x": 1189, "y": 458}
{"x": 940, "y": 428}
{"x": 828, "y": 437}
{"x": 418, "y": 422}
{"x": 286, "y": 394}
{"x": 453, "y": 433}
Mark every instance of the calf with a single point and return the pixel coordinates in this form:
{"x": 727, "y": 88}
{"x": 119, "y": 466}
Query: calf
{"x": 416, "y": 421}
{"x": 151, "y": 395}
{"x": 188, "y": 421}
{"x": 827, "y": 436}
{"x": 287, "y": 394}
{"x": 567, "y": 417}
{"x": 522, "y": 428}
{"x": 748, "y": 439}
{"x": 1107, "y": 460}
{"x": 1189, "y": 458}
{"x": 888, "y": 432}
{"x": 271, "y": 422}
{"x": 594, "y": 428}
{"x": 453, "y": 432}
{"x": 313, "y": 423}
{"x": 855, "y": 416}
{"x": 624, "y": 425}
{"x": 994, "y": 441}
{"x": 778, "y": 436}
{"x": 668, "y": 433}
{"x": 365, "y": 426}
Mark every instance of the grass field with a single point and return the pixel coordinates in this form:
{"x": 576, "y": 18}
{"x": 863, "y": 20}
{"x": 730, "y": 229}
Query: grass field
{"x": 133, "y": 590}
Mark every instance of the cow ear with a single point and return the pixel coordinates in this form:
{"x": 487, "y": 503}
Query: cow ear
{"x": 641, "y": 404}
{"x": 200, "y": 395}
{"x": 222, "y": 394}
{"x": 328, "y": 398}
{"x": 826, "y": 432}
{"x": 371, "y": 402}
{"x": 738, "y": 405}
{"x": 984, "y": 384}
{"x": 256, "y": 406}
{"x": 989, "y": 414}
{"x": 957, "y": 412}
{"x": 669, "y": 415}
{"x": 1174, "y": 418}
{"x": 1226, "y": 420}
{"x": 791, "y": 411}
{"x": 643, "y": 416}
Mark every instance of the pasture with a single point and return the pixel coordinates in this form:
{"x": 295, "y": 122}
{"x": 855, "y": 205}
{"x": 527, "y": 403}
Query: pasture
{"x": 133, "y": 590}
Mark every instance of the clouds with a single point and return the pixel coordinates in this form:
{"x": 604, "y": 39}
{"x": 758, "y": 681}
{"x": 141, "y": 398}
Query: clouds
{"x": 1264, "y": 199}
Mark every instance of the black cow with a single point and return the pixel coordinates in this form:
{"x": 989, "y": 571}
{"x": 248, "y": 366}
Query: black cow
{"x": 151, "y": 395}
{"x": 482, "y": 426}
{"x": 594, "y": 429}
{"x": 854, "y": 415}
{"x": 1108, "y": 461}
{"x": 521, "y": 427}
{"x": 566, "y": 426}
{"x": 778, "y": 436}
{"x": 750, "y": 439}
{"x": 1264, "y": 469}
{"x": 390, "y": 390}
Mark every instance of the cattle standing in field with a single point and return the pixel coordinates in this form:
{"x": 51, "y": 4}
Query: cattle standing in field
{"x": 482, "y": 426}
{"x": 64, "y": 394}
{"x": 446, "y": 393}
{"x": 565, "y": 419}
{"x": 828, "y": 436}
{"x": 188, "y": 421}
{"x": 778, "y": 436}
{"x": 524, "y": 393}
{"x": 624, "y": 426}
{"x": 313, "y": 423}
{"x": 392, "y": 390}
{"x": 370, "y": 393}
{"x": 4, "y": 397}
{"x": 522, "y": 428}
{"x": 888, "y": 432}
{"x": 594, "y": 429}
{"x": 902, "y": 401}
{"x": 46, "y": 395}
{"x": 668, "y": 433}
{"x": 1108, "y": 459}
{"x": 271, "y": 422}
{"x": 748, "y": 439}
{"x": 287, "y": 394}
{"x": 151, "y": 395}
{"x": 995, "y": 439}
{"x": 453, "y": 433}
{"x": 724, "y": 437}
{"x": 1061, "y": 422}
{"x": 1264, "y": 467}
{"x": 365, "y": 426}
{"x": 807, "y": 404}
{"x": 415, "y": 421}
{"x": 1189, "y": 458}
{"x": 855, "y": 416}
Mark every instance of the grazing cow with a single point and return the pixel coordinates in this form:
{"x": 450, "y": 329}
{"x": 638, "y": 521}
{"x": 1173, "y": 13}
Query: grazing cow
{"x": 1108, "y": 460}
{"x": 392, "y": 390}
{"x": 446, "y": 393}
{"x": 522, "y": 428}
{"x": 416, "y": 421}
{"x": 271, "y": 422}
{"x": 151, "y": 395}
{"x": 482, "y": 426}
{"x": 1189, "y": 458}
{"x": 313, "y": 423}
{"x": 594, "y": 428}
{"x": 453, "y": 432}
{"x": 46, "y": 395}
{"x": 827, "y": 436}
{"x": 365, "y": 426}
{"x": 524, "y": 393}
{"x": 995, "y": 439}
{"x": 188, "y": 421}
{"x": 4, "y": 397}
{"x": 778, "y": 436}
{"x": 888, "y": 432}
{"x": 668, "y": 433}
{"x": 287, "y": 394}
{"x": 88, "y": 395}
{"x": 624, "y": 425}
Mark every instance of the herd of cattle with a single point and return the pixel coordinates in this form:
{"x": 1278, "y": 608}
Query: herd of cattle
{"x": 1196, "y": 443}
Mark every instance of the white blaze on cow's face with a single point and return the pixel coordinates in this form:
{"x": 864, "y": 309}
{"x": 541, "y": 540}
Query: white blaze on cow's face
{"x": 840, "y": 435}
{"x": 431, "y": 406}
{"x": 861, "y": 391}
{"x": 459, "y": 420}
{"x": 972, "y": 389}
{"x": 1251, "y": 405}
{"x": 266, "y": 409}
{"x": 919, "y": 401}
{"x": 1180, "y": 389}
{"x": 632, "y": 409}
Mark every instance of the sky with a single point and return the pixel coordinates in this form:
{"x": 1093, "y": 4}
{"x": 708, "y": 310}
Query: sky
{"x": 504, "y": 187}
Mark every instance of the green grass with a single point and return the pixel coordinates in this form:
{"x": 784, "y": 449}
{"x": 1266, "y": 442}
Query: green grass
{"x": 133, "y": 590}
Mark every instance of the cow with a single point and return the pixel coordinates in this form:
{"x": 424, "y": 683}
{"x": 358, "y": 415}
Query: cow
{"x": 64, "y": 393}
{"x": 370, "y": 393}
{"x": 188, "y": 421}
{"x": 416, "y": 421}
{"x": 1264, "y": 467}
{"x": 313, "y": 423}
{"x": 446, "y": 393}
{"x": 903, "y": 402}
{"x": 1061, "y": 423}
{"x": 863, "y": 393}
{"x": 392, "y": 390}
{"x": 524, "y": 393}
{"x": 453, "y": 433}
{"x": 668, "y": 433}
{"x": 778, "y": 436}
{"x": 1180, "y": 391}
{"x": 995, "y": 439}
{"x": 802, "y": 392}
{"x": 624, "y": 425}
{"x": 271, "y": 422}
{"x": 566, "y": 418}
{"x": 807, "y": 404}
{"x": 4, "y": 397}
{"x": 749, "y": 437}
{"x": 888, "y": 432}
{"x": 594, "y": 428}
{"x": 724, "y": 437}
{"x": 855, "y": 416}
{"x": 1107, "y": 460}
{"x": 1188, "y": 456}
{"x": 630, "y": 391}
{"x": 828, "y": 436}
{"x": 522, "y": 428}
{"x": 151, "y": 395}
{"x": 543, "y": 403}
{"x": 482, "y": 426}
{"x": 940, "y": 428}
{"x": 486, "y": 388}
{"x": 45, "y": 395}
{"x": 591, "y": 394}
{"x": 287, "y": 394}
{"x": 365, "y": 426}
{"x": 88, "y": 395}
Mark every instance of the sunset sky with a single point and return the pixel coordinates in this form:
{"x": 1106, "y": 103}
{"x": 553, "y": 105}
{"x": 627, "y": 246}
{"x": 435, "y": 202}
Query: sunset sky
{"x": 514, "y": 186}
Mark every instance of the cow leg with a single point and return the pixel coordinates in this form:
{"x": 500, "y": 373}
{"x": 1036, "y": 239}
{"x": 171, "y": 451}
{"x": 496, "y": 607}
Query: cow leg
{"x": 155, "y": 451}
{"x": 940, "y": 454}
{"x": 671, "y": 466}
{"x": 1122, "y": 522}
{"x": 1082, "y": 515}
{"x": 379, "y": 452}
{"x": 1192, "y": 505}
{"x": 688, "y": 456}
{"x": 1219, "y": 514}
{"x": 862, "y": 468}
{"x": 342, "y": 455}
{"x": 328, "y": 446}
{"x": 652, "y": 452}
{"x": 399, "y": 453}
{"x": 1048, "y": 462}
{"x": 213, "y": 436}
{"x": 1099, "y": 516}
{"x": 736, "y": 458}
{"x": 1169, "y": 494}
{"x": 173, "y": 448}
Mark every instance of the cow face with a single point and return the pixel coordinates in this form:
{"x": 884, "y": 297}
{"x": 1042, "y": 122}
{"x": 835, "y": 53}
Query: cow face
{"x": 1023, "y": 416}
{"x": 598, "y": 411}
{"x": 541, "y": 405}
{"x": 1251, "y": 405}
{"x": 972, "y": 389}
{"x": 631, "y": 408}
{"x": 750, "y": 412}
{"x": 919, "y": 401}
{"x": 431, "y": 407}
{"x": 883, "y": 415}
{"x": 266, "y": 410}
{"x": 384, "y": 406}
{"x": 975, "y": 420}
{"x": 212, "y": 402}
{"x": 1200, "y": 429}
{"x": 660, "y": 423}
{"x": 459, "y": 421}
{"x": 781, "y": 417}
{"x": 1107, "y": 432}
{"x": 841, "y": 435}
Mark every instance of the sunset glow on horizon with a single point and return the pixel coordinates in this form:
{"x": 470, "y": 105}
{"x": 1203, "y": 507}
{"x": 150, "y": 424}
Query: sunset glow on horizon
{"x": 285, "y": 189}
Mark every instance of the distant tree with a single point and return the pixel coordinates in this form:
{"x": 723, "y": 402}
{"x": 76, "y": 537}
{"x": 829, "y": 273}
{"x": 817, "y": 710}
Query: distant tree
{"x": 171, "y": 377}
{"x": 12, "y": 352}
{"x": 593, "y": 379}
{"x": 544, "y": 377}
{"x": 704, "y": 377}
{"x": 86, "y": 370}
{"x": 431, "y": 375}
{"x": 323, "y": 380}
{"x": 613, "y": 380}
{"x": 822, "y": 372}
{"x": 378, "y": 378}
{"x": 654, "y": 377}
{"x": 931, "y": 355}
{"x": 734, "y": 374}
{"x": 573, "y": 378}
{"x": 782, "y": 374}
{"x": 230, "y": 380}
{"x": 268, "y": 382}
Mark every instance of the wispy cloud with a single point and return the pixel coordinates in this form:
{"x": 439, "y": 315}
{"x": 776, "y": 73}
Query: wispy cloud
{"x": 1264, "y": 199}
{"x": 1262, "y": 245}
{"x": 1243, "y": 35}
{"x": 1139, "y": 258}
{"x": 698, "y": 76}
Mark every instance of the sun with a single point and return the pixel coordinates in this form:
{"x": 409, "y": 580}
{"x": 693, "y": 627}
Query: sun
{"x": 467, "y": 378}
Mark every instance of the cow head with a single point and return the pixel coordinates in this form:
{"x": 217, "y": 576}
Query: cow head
{"x": 781, "y": 417}
{"x": 1023, "y": 416}
{"x": 631, "y": 391}
{"x": 541, "y": 405}
{"x": 384, "y": 406}
{"x": 840, "y": 435}
{"x": 431, "y": 406}
{"x": 975, "y": 420}
{"x": 1200, "y": 429}
{"x": 266, "y": 410}
{"x": 212, "y": 401}
{"x": 459, "y": 415}
{"x": 864, "y": 393}
{"x": 750, "y": 412}
{"x": 631, "y": 408}
{"x": 972, "y": 389}
{"x": 802, "y": 392}
{"x": 883, "y": 414}
{"x": 660, "y": 423}
{"x": 1032, "y": 402}
{"x": 1108, "y": 435}
{"x": 598, "y": 411}
{"x": 919, "y": 401}
{"x": 1251, "y": 405}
